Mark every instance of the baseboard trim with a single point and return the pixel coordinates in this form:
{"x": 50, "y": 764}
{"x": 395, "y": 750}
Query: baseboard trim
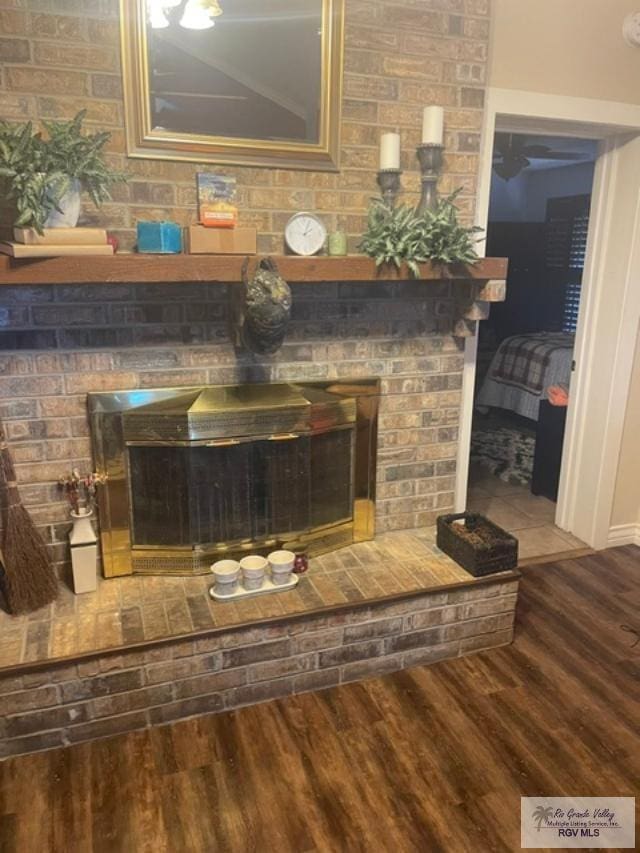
{"x": 623, "y": 534}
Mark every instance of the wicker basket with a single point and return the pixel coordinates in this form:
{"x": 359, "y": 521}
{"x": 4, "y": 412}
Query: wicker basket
{"x": 478, "y": 558}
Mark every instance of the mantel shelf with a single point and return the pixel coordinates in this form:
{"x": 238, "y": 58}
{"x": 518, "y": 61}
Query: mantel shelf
{"x": 169, "y": 269}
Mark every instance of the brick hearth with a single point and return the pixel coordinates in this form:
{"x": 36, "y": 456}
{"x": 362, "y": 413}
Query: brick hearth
{"x": 138, "y": 609}
{"x": 364, "y": 610}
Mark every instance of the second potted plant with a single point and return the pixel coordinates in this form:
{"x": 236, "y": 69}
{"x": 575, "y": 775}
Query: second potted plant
{"x": 401, "y": 234}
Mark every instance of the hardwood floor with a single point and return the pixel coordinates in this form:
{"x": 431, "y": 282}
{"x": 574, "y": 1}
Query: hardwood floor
{"x": 434, "y": 758}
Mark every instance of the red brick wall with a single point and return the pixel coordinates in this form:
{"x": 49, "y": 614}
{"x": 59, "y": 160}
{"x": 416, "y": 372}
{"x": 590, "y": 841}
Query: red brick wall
{"x": 59, "y": 56}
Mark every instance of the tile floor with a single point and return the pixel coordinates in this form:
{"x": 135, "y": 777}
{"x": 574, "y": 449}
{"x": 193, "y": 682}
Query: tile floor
{"x": 529, "y": 517}
{"x": 135, "y": 609}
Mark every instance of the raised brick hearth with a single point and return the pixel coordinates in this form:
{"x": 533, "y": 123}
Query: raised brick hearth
{"x": 127, "y": 611}
{"x": 396, "y": 603}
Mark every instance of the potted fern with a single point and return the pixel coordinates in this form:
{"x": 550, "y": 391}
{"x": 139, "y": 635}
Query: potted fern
{"x": 45, "y": 175}
{"x": 397, "y": 235}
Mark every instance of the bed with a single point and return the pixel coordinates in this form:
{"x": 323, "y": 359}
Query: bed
{"x": 523, "y": 368}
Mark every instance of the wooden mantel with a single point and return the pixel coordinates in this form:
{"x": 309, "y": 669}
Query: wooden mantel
{"x": 167, "y": 269}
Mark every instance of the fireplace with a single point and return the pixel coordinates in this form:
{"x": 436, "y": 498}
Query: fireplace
{"x": 193, "y": 474}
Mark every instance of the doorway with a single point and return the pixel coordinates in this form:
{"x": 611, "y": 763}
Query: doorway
{"x": 539, "y": 209}
{"x": 610, "y": 303}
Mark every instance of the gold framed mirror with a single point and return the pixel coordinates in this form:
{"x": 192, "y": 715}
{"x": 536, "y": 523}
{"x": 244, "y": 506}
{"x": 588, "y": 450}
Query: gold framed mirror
{"x": 244, "y": 82}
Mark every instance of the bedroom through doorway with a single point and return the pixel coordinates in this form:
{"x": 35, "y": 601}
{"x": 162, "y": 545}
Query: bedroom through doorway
{"x": 538, "y": 218}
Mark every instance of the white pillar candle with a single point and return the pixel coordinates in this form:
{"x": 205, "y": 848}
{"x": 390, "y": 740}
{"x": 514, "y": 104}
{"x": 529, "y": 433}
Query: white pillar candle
{"x": 390, "y": 151}
{"x": 433, "y": 126}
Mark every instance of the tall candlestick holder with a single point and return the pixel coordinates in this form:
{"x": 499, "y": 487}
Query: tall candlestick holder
{"x": 389, "y": 183}
{"x": 431, "y": 160}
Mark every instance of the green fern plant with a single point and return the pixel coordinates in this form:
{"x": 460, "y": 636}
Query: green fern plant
{"x": 24, "y": 180}
{"x": 80, "y": 155}
{"x": 392, "y": 236}
{"x": 446, "y": 240}
{"x": 36, "y": 172}
{"x": 401, "y": 234}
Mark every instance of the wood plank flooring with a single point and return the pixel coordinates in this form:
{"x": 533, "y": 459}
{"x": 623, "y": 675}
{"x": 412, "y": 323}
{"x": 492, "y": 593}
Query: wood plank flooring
{"x": 435, "y": 758}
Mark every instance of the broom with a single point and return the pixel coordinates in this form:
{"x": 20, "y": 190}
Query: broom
{"x": 28, "y": 580}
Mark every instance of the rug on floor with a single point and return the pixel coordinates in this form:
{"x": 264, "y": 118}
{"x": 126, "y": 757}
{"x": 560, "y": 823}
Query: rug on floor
{"x": 504, "y": 451}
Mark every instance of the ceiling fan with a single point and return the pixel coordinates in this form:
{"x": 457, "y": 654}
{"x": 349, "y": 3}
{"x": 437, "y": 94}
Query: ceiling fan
{"x": 511, "y": 154}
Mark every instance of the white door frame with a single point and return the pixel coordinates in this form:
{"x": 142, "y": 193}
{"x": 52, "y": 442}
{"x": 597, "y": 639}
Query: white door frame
{"x": 609, "y": 313}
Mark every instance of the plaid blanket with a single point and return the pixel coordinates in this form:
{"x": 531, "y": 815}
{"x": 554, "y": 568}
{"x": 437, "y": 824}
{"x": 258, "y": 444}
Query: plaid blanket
{"x": 523, "y": 360}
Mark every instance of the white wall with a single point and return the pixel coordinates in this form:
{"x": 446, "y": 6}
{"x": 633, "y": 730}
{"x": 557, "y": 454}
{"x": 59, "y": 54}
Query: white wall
{"x": 575, "y": 48}
{"x": 626, "y": 504}
{"x": 524, "y": 198}
{"x": 565, "y": 47}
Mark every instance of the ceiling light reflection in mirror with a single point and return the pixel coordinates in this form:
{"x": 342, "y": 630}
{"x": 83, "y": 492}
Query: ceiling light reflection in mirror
{"x": 195, "y": 14}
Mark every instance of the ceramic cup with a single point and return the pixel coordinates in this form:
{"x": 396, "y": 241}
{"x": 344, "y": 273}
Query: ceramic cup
{"x": 281, "y": 563}
{"x": 254, "y": 569}
{"x": 226, "y": 574}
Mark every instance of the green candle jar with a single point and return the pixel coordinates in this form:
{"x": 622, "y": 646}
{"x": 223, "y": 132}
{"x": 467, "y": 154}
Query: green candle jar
{"x": 338, "y": 243}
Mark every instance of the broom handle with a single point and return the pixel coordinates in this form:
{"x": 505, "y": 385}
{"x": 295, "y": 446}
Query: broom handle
{"x": 8, "y": 479}
{"x": 6, "y": 461}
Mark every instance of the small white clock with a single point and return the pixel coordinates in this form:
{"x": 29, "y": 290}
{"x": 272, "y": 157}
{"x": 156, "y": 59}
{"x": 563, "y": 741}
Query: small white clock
{"x": 631, "y": 29}
{"x": 305, "y": 234}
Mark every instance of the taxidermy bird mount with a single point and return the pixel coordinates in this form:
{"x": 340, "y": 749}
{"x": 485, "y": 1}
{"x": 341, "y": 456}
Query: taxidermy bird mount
{"x": 262, "y": 308}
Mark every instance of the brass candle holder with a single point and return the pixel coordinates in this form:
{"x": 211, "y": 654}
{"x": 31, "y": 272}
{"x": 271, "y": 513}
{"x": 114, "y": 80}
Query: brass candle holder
{"x": 431, "y": 160}
{"x": 389, "y": 183}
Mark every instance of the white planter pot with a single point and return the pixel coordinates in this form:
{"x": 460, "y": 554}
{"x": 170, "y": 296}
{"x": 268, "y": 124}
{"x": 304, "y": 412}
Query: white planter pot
{"x": 69, "y": 204}
{"x": 84, "y": 553}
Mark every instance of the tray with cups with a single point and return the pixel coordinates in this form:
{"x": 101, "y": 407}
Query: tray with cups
{"x": 253, "y": 575}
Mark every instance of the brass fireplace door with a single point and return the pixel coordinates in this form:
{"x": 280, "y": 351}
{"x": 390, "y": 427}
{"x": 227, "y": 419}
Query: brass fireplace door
{"x": 195, "y": 474}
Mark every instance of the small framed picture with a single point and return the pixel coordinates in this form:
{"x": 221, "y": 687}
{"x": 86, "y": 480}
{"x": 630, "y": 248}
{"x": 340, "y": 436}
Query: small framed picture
{"x": 216, "y": 200}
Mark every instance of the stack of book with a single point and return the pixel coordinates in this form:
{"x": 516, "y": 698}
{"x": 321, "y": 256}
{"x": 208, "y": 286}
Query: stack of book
{"x": 57, "y": 241}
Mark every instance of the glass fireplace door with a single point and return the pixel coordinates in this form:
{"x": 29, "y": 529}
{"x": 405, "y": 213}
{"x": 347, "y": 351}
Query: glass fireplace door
{"x": 240, "y": 490}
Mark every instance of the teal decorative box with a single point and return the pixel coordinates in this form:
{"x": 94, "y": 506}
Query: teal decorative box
{"x": 160, "y": 238}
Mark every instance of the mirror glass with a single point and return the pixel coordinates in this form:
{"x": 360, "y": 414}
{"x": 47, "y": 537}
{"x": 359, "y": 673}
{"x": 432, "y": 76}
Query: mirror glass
{"x": 241, "y": 69}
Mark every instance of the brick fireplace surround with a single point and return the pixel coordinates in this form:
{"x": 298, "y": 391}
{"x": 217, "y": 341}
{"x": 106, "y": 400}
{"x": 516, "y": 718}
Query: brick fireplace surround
{"x": 107, "y": 337}
{"x": 130, "y": 656}
{"x": 143, "y": 651}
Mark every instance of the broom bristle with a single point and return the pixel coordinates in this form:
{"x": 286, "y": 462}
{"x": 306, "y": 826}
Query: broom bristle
{"x": 29, "y": 581}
